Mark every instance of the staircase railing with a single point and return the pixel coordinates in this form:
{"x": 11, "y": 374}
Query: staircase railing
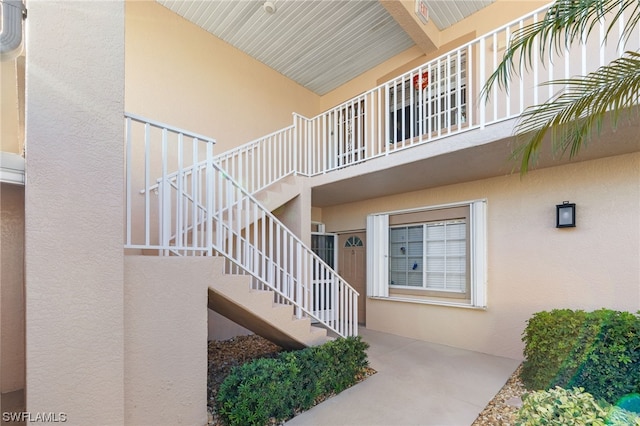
{"x": 200, "y": 209}
{"x": 173, "y": 168}
{"x": 256, "y": 243}
{"x": 262, "y": 162}
{"x": 435, "y": 100}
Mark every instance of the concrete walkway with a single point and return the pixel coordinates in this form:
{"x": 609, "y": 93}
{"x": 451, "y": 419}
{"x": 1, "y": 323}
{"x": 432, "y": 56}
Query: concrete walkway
{"x": 417, "y": 383}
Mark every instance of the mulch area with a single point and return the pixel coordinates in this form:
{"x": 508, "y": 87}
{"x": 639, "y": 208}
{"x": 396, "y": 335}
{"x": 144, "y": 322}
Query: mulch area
{"x": 224, "y": 355}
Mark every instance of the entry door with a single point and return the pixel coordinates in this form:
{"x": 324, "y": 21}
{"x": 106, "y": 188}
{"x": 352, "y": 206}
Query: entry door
{"x": 353, "y": 267}
{"x": 324, "y": 245}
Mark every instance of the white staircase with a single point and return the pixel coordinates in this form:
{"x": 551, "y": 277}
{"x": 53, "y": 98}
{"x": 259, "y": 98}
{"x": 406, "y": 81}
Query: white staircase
{"x": 181, "y": 201}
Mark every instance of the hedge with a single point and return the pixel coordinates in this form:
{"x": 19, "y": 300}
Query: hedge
{"x": 598, "y": 351}
{"x": 278, "y": 388}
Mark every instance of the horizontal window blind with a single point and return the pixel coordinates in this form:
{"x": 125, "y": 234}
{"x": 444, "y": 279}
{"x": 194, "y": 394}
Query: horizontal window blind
{"x": 444, "y": 256}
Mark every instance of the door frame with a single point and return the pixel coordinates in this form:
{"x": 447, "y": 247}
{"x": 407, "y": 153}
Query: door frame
{"x": 362, "y": 299}
{"x": 326, "y": 314}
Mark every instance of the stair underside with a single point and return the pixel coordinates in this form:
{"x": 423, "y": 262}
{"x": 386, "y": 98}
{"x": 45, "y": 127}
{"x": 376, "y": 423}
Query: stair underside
{"x": 279, "y": 192}
{"x": 231, "y": 297}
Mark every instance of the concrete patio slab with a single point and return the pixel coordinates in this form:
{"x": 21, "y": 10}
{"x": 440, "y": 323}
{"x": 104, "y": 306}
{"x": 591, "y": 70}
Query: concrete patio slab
{"x": 417, "y": 383}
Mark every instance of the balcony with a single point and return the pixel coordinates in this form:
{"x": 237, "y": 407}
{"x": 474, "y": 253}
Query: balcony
{"x": 428, "y": 127}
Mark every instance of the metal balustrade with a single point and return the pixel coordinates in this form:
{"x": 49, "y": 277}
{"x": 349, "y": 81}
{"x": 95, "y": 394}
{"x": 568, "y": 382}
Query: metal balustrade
{"x": 193, "y": 207}
{"x": 166, "y": 198}
{"x": 435, "y": 100}
{"x": 262, "y": 162}
{"x": 259, "y": 245}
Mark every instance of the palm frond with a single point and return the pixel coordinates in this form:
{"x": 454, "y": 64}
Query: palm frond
{"x": 565, "y": 22}
{"x": 573, "y": 113}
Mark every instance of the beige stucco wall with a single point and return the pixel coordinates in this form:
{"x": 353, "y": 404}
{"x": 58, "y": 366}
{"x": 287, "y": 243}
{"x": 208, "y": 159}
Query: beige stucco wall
{"x": 11, "y": 287}
{"x": 180, "y": 74}
{"x": 11, "y": 133}
{"x": 222, "y": 328}
{"x": 493, "y": 16}
{"x": 73, "y": 210}
{"x": 166, "y": 339}
{"x": 532, "y": 266}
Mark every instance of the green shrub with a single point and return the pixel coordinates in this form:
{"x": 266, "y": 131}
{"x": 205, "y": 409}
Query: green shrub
{"x": 257, "y": 391}
{"x": 339, "y": 362}
{"x": 560, "y": 407}
{"x": 563, "y": 407}
{"x": 598, "y": 351}
{"x": 277, "y": 388}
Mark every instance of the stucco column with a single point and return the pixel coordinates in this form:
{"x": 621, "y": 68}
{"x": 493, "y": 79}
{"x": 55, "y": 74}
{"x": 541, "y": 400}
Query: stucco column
{"x": 74, "y": 210}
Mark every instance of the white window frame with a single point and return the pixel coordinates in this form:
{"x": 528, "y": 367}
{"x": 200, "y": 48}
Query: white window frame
{"x": 378, "y": 255}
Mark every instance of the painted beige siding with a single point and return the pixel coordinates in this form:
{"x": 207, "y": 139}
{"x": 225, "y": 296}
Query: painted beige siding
{"x": 73, "y": 210}
{"x": 166, "y": 339}
{"x": 9, "y": 107}
{"x": 11, "y": 287}
{"x": 532, "y": 266}
{"x": 179, "y": 74}
{"x": 493, "y": 16}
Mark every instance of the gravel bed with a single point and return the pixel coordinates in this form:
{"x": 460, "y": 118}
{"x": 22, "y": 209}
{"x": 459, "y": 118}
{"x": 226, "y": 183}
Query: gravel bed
{"x": 224, "y": 355}
{"x": 502, "y": 409}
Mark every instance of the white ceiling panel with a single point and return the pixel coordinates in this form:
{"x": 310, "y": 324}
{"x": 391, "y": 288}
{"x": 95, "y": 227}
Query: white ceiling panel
{"x": 320, "y": 44}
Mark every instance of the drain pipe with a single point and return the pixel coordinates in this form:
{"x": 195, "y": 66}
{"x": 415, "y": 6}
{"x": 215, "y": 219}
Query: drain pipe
{"x": 12, "y": 13}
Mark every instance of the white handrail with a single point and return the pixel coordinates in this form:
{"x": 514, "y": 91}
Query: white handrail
{"x": 401, "y": 114}
{"x": 262, "y": 162}
{"x": 201, "y": 210}
{"x": 175, "y": 219}
{"x": 258, "y": 244}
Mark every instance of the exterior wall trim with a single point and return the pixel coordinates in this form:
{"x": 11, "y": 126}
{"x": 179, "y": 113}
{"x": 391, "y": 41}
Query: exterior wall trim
{"x": 436, "y": 207}
{"x": 11, "y": 168}
{"x": 428, "y": 302}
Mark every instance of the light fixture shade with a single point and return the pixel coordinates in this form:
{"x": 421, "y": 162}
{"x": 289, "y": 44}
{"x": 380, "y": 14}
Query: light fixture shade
{"x": 566, "y": 215}
{"x": 269, "y": 7}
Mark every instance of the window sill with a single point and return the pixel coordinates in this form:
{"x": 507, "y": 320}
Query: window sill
{"x": 430, "y": 302}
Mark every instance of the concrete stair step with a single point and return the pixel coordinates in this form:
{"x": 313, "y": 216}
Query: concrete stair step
{"x": 231, "y": 296}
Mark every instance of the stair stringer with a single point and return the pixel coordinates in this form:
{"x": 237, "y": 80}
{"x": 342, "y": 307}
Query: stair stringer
{"x": 231, "y": 296}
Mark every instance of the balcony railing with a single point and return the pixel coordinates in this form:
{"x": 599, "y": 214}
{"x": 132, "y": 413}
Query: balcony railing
{"x": 437, "y": 99}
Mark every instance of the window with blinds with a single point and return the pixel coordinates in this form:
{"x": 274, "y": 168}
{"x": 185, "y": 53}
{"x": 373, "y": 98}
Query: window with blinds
{"x": 430, "y": 256}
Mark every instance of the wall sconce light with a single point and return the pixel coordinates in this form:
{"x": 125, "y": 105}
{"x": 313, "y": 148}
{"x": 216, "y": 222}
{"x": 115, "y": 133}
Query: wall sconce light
{"x": 566, "y": 215}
